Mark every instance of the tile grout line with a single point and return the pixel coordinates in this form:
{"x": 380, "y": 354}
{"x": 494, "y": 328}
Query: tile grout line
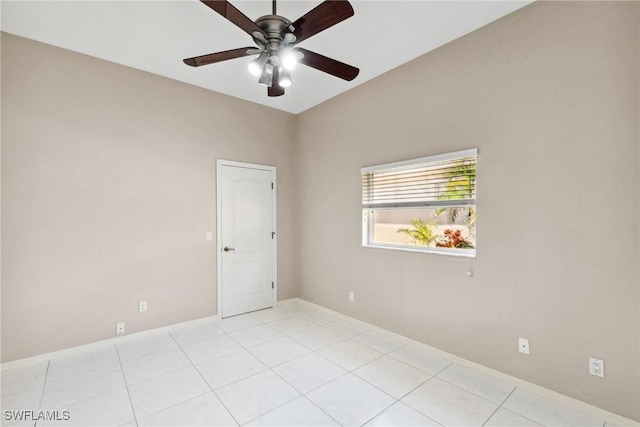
{"x": 312, "y": 351}
{"x": 498, "y": 407}
{"x": 205, "y": 380}
{"x": 310, "y": 391}
{"x": 44, "y": 385}
{"x": 126, "y": 384}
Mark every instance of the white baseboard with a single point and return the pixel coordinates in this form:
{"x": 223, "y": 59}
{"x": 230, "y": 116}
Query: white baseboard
{"x": 578, "y": 405}
{"x": 23, "y": 363}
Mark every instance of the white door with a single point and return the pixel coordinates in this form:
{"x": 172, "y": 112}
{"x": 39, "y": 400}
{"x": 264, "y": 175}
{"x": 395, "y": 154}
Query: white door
{"x": 246, "y": 237}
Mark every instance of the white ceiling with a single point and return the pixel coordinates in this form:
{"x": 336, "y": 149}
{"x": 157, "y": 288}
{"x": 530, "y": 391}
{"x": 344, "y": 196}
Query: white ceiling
{"x": 155, "y": 36}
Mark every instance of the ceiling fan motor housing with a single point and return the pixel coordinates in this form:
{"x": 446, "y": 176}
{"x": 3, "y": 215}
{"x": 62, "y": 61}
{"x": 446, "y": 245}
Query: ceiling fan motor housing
{"x": 274, "y": 26}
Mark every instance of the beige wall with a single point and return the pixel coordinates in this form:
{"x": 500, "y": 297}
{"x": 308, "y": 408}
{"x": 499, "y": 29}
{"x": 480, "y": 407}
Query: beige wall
{"x": 549, "y": 95}
{"x": 108, "y": 180}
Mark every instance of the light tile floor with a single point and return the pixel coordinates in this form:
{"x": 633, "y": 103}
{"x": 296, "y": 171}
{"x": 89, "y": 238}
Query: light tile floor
{"x": 293, "y": 365}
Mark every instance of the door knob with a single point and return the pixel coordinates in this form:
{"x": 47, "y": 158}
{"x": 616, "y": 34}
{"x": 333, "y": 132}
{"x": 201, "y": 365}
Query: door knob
{"x": 228, "y": 249}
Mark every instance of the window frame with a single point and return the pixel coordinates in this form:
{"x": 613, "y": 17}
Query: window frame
{"x": 368, "y": 225}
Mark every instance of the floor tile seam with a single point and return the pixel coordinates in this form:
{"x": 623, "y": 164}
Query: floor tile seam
{"x": 324, "y": 346}
{"x": 299, "y": 331}
{"x": 156, "y": 350}
{"x": 469, "y": 391}
{"x": 215, "y": 357}
{"x": 198, "y": 339}
{"x": 172, "y": 371}
{"x": 315, "y": 388}
{"x": 104, "y": 365}
{"x": 207, "y": 383}
{"x": 514, "y": 412}
{"x": 315, "y": 324}
{"x": 346, "y": 369}
{"x": 406, "y": 364}
{"x": 44, "y": 384}
{"x": 386, "y": 392}
{"x": 540, "y": 421}
{"x": 369, "y": 346}
{"x": 302, "y": 396}
{"x": 508, "y": 396}
{"x": 380, "y": 412}
{"x": 274, "y": 409}
{"x": 193, "y": 365}
{"x": 416, "y": 409}
{"x": 492, "y": 414}
{"x": 418, "y": 368}
{"x": 66, "y": 377}
{"x": 376, "y": 349}
{"x": 422, "y": 413}
{"x": 492, "y": 379}
{"x": 266, "y": 368}
{"x": 239, "y": 329}
{"x": 53, "y": 380}
{"x": 214, "y": 390}
{"x": 224, "y": 405}
{"x": 286, "y": 361}
{"x": 133, "y": 410}
{"x": 305, "y": 395}
{"x": 260, "y": 343}
{"x": 94, "y": 395}
{"x": 348, "y": 336}
{"x": 326, "y": 384}
{"x": 363, "y": 365}
{"x": 165, "y": 350}
{"x": 177, "y": 404}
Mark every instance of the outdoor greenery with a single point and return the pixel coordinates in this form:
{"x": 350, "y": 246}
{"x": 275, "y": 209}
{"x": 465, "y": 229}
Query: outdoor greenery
{"x": 421, "y": 234}
{"x": 461, "y": 185}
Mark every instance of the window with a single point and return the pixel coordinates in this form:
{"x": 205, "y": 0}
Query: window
{"x": 426, "y": 204}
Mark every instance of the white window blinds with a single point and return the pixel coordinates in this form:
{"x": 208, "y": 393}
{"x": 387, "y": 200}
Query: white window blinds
{"x": 443, "y": 180}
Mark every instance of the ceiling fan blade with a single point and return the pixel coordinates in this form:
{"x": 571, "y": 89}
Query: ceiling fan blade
{"x": 328, "y": 65}
{"x": 275, "y": 89}
{"x": 323, "y": 16}
{"x": 211, "y": 58}
{"x": 236, "y": 17}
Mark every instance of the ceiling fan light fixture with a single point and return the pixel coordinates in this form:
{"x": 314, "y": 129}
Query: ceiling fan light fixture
{"x": 266, "y": 78}
{"x": 285, "y": 78}
{"x": 256, "y": 66}
{"x": 289, "y": 61}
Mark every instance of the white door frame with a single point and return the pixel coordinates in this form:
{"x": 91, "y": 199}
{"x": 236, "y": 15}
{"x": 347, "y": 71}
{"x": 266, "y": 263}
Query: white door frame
{"x": 272, "y": 169}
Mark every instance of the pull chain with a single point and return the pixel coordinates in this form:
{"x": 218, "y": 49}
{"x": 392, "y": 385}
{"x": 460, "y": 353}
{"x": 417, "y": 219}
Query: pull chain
{"x": 274, "y": 7}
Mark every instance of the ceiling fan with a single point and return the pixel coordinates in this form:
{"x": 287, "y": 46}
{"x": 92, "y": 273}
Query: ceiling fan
{"x": 276, "y": 38}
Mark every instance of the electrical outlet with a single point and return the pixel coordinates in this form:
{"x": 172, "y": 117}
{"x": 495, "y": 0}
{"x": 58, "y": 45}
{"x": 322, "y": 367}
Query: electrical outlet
{"x": 142, "y": 306}
{"x": 523, "y": 345}
{"x": 119, "y": 328}
{"x": 596, "y": 367}
{"x": 351, "y": 296}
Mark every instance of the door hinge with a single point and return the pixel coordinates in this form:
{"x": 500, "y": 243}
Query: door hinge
{"x": 273, "y": 233}
{"x": 272, "y": 185}
{"x": 273, "y": 286}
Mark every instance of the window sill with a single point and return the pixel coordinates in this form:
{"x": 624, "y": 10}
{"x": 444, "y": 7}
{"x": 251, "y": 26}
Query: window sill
{"x": 432, "y": 251}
